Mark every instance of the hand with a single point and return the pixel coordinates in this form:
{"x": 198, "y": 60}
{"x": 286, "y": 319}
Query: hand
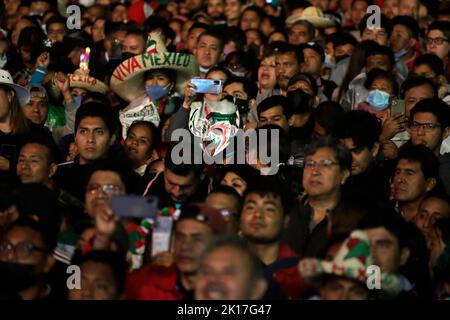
{"x": 105, "y": 221}
{"x": 189, "y": 95}
{"x": 392, "y": 126}
{"x": 62, "y": 82}
{"x": 43, "y": 60}
{"x": 389, "y": 150}
{"x": 4, "y": 164}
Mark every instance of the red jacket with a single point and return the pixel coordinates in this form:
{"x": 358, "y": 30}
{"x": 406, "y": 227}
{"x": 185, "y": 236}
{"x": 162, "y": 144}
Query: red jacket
{"x": 153, "y": 282}
{"x": 288, "y": 279}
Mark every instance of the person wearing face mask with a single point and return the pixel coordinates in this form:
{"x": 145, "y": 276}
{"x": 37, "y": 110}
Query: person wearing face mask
{"x": 340, "y": 46}
{"x": 150, "y": 82}
{"x": 404, "y": 43}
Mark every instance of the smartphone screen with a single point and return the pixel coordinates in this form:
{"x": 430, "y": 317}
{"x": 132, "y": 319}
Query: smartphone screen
{"x": 398, "y": 106}
{"x": 131, "y": 206}
{"x": 207, "y": 86}
{"x": 161, "y": 235}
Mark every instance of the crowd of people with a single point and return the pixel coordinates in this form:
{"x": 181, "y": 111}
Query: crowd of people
{"x": 96, "y": 102}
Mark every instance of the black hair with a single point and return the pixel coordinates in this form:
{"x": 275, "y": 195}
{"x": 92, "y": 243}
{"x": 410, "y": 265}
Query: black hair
{"x": 343, "y": 155}
{"x": 272, "y": 102}
{"x": 385, "y": 23}
{"x": 198, "y": 25}
{"x": 139, "y": 33}
{"x": 126, "y": 174}
{"x": 435, "y": 106}
{"x": 46, "y": 142}
{"x": 309, "y": 78}
{"x": 48, "y": 235}
{"x": 409, "y": 22}
{"x": 154, "y": 132}
{"x": 384, "y": 51}
{"x": 429, "y": 163}
{"x": 432, "y": 61}
{"x": 171, "y": 74}
{"x": 95, "y": 109}
{"x": 97, "y": 97}
{"x": 328, "y": 115}
{"x": 299, "y": 102}
{"x": 56, "y": 19}
{"x": 341, "y": 38}
{"x": 315, "y": 47}
{"x": 182, "y": 169}
{"x": 113, "y": 260}
{"x": 443, "y": 26}
{"x": 417, "y": 81}
{"x": 376, "y": 74}
{"x": 33, "y": 38}
{"x": 259, "y": 11}
{"x": 221, "y": 69}
{"x": 215, "y": 33}
{"x": 271, "y": 185}
{"x": 362, "y": 127}
{"x": 229, "y": 191}
{"x": 154, "y": 22}
{"x": 111, "y": 27}
{"x": 250, "y": 86}
{"x": 285, "y": 48}
{"x": 236, "y": 35}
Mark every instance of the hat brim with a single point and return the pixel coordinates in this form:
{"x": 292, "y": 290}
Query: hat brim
{"x": 318, "y": 22}
{"x": 88, "y": 83}
{"x": 127, "y": 79}
{"x": 22, "y": 93}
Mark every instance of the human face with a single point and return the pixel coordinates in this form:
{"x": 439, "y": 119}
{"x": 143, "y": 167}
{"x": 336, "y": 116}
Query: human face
{"x": 138, "y": 145}
{"x": 236, "y": 90}
{"x": 231, "y": 179}
{"x": 229, "y": 203}
{"x": 33, "y": 165}
{"x": 385, "y": 249}
{"x": 313, "y": 62}
{"x": 56, "y": 32}
{"x": 37, "y": 256}
{"x": 298, "y": 34}
{"x": 286, "y": 67}
{"x": 266, "y": 27}
{"x": 379, "y": 35}
{"x": 323, "y": 181}
{"x": 415, "y": 94}
{"x": 215, "y": 75}
{"x": 359, "y": 9}
{"x": 215, "y": 8}
{"x": 267, "y": 75}
{"x": 98, "y": 31}
{"x": 409, "y": 8}
{"x": 409, "y": 182}
{"x": 207, "y": 51}
{"x": 274, "y": 115}
{"x": 424, "y": 70}
{"x": 429, "y": 137}
{"x": 378, "y": 61}
{"x": 191, "y": 238}
{"x": 250, "y": 20}
{"x": 343, "y": 50}
{"x": 339, "y": 288}
{"x": 193, "y": 37}
{"x": 382, "y": 84}
{"x": 97, "y": 283}
{"x": 362, "y": 157}
{"x": 158, "y": 78}
{"x": 36, "y": 110}
{"x": 441, "y": 50}
{"x": 225, "y": 274}
{"x": 401, "y": 38}
{"x": 233, "y": 9}
{"x": 253, "y": 37}
{"x": 92, "y": 139}
{"x": 262, "y": 218}
{"x": 133, "y": 44}
{"x": 101, "y": 186}
{"x": 179, "y": 187}
{"x": 119, "y": 14}
{"x": 430, "y": 210}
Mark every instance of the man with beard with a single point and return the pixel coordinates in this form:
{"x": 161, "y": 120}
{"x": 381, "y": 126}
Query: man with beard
{"x": 194, "y": 231}
{"x": 263, "y": 218}
{"x": 25, "y": 257}
{"x": 430, "y": 126}
{"x": 289, "y": 61}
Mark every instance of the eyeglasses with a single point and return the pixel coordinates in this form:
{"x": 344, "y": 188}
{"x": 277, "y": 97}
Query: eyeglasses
{"x": 327, "y": 164}
{"x": 425, "y": 126}
{"x": 437, "y": 41}
{"x": 22, "y": 250}
{"x": 107, "y": 188}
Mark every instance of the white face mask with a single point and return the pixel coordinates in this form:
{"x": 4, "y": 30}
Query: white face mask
{"x": 87, "y": 3}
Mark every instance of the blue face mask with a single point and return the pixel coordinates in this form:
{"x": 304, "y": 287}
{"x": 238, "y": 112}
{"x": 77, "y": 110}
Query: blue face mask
{"x": 378, "y": 99}
{"x": 156, "y": 92}
{"x": 78, "y": 100}
{"x": 400, "y": 53}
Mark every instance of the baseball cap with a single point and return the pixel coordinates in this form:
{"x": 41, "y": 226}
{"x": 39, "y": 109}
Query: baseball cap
{"x": 38, "y": 92}
{"x": 204, "y": 213}
{"x": 314, "y": 46}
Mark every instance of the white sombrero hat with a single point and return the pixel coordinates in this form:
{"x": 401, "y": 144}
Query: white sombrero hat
{"x": 313, "y": 15}
{"x": 80, "y": 80}
{"x": 127, "y": 79}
